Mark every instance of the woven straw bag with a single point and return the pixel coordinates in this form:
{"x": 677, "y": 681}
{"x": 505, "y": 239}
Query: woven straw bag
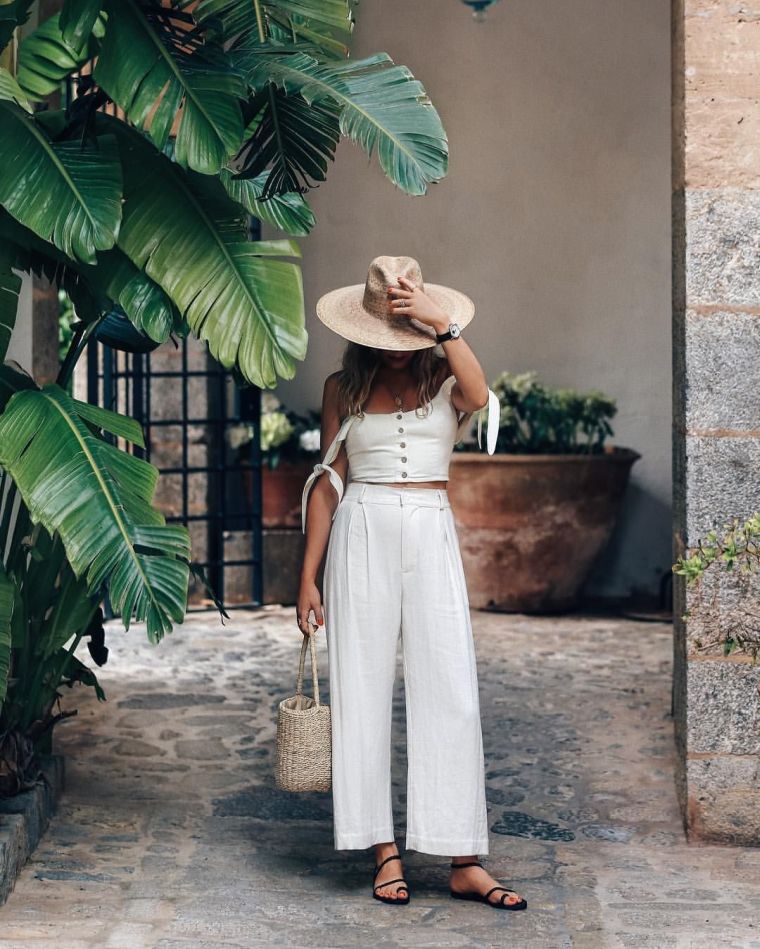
{"x": 304, "y": 746}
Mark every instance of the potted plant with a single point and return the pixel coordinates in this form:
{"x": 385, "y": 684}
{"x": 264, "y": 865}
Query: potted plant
{"x": 533, "y": 516}
{"x": 289, "y": 449}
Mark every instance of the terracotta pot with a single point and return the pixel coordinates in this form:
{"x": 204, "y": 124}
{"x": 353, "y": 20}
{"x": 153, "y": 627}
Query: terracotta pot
{"x": 281, "y": 490}
{"x": 530, "y": 526}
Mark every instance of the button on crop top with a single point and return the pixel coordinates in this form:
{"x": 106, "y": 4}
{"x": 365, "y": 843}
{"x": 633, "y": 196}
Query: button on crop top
{"x": 402, "y": 446}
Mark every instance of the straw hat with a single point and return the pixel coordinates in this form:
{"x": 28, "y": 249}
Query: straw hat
{"x": 361, "y": 312}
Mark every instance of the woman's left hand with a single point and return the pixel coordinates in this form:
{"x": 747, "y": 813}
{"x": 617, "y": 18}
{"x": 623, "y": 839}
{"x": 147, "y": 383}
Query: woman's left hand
{"x": 408, "y": 300}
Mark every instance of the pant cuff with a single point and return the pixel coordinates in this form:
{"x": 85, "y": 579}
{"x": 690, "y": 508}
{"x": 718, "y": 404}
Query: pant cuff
{"x": 447, "y": 847}
{"x": 362, "y": 840}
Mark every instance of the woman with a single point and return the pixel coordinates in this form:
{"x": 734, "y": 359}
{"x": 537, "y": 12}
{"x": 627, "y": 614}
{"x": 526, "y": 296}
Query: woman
{"x": 391, "y": 418}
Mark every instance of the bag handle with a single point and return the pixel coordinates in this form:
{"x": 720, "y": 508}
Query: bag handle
{"x": 299, "y": 681}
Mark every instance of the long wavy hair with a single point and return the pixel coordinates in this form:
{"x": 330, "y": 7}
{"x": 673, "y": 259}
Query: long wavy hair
{"x": 360, "y": 365}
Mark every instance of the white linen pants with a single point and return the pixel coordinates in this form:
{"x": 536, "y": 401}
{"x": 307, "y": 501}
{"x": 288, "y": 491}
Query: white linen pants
{"x": 393, "y": 570}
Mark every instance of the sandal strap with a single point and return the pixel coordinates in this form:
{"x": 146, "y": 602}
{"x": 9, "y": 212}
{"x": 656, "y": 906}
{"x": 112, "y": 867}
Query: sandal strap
{"x": 388, "y": 883}
{"x": 473, "y": 863}
{"x": 394, "y": 856}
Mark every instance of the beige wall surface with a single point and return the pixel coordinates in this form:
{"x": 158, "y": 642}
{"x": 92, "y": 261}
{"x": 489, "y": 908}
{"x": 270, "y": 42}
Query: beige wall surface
{"x": 554, "y": 218}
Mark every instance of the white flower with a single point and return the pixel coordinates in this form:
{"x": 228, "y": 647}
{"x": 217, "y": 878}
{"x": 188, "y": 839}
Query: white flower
{"x": 239, "y": 435}
{"x": 269, "y": 402}
{"x": 309, "y": 440}
{"x": 276, "y": 429}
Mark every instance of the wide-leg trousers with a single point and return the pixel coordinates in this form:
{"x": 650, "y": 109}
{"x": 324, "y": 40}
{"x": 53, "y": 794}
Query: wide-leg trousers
{"x": 393, "y": 572}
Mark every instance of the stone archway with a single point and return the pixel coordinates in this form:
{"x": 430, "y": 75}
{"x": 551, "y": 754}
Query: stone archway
{"x": 716, "y": 405}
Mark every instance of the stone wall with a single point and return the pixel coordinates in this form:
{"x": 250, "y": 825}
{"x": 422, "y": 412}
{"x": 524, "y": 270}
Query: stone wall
{"x": 716, "y": 437}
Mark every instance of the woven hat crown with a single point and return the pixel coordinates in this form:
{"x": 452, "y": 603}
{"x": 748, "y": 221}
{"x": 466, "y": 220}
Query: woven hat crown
{"x": 383, "y": 273}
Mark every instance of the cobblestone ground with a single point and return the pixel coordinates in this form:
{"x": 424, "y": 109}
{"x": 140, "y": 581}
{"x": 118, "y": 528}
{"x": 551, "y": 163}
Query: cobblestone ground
{"x": 172, "y": 835}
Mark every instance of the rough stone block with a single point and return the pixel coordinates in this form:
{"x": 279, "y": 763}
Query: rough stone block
{"x": 723, "y": 707}
{"x": 720, "y": 482}
{"x": 722, "y": 247}
{"x": 724, "y": 799}
{"x": 723, "y": 352}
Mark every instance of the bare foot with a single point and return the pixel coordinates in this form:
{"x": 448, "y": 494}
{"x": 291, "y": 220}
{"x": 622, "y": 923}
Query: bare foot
{"x": 393, "y": 870}
{"x": 479, "y": 880}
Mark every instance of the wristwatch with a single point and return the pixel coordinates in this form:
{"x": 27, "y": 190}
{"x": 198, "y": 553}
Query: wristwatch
{"x": 453, "y": 332}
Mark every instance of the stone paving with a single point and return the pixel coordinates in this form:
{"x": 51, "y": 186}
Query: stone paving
{"x": 171, "y": 834}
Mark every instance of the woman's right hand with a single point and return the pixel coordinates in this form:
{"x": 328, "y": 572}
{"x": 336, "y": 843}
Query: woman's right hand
{"x": 308, "y": 599}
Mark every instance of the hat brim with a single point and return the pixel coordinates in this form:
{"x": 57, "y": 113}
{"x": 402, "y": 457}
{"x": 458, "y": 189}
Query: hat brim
{"x": 341, "y": 311}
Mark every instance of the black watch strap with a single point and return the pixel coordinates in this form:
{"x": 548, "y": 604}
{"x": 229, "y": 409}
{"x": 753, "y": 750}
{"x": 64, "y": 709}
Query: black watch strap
{"x": 442, "y": 337}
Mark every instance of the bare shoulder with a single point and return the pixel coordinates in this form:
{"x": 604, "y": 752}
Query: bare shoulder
{"x": 330, "y": 393}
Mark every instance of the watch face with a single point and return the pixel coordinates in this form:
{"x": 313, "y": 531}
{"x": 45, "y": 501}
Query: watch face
{"x": 454, "y": 330}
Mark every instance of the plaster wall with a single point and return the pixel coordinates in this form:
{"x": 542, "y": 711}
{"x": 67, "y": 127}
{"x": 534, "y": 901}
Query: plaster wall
{"x": 554, "y": 218}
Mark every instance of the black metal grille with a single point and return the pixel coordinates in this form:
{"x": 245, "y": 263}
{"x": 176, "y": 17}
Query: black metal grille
{"x": 228, "y": 501}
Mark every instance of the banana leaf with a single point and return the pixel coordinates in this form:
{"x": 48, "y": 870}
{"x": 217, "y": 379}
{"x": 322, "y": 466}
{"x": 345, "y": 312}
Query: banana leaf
{"x": 46, "y": 58}
{"x": 11, "y": 90}
{"x": 187, "y": 235}
{"x": 167, "y": 73}
{"x": 289, "y": 212}
{"x": 323, "y": 24}
{"x": 78, "y": 18}
{"x": 13, "y": 14}
{"x": 10, "y": 287}
{"x": 98, "y": 500}
{"x": 81, "y": 212}
{"x": 382, "y": 106}
{"x": 293, "y": 139}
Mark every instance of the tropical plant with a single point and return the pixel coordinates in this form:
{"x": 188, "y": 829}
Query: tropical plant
{"x": 134, "y": 200}
{"x": 535, "y": 419}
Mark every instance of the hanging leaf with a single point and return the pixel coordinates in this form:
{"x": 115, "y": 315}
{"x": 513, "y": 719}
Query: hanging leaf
{"x": 381, "y": 106}
{"x": 186, "y": 234}
{"x": 169, "y": 72}
{"x": 82, "y": 185}
{"x": 293, "y": 139}
{"x": 288, "y": 212}
{"x": 98, "y": 500}
{"x": 46, "y": 58}
{"x": 13, "y": 14}
{"x": 323, "y": 24}
{"x": 10, "y": 90}
{"x": 10, "y": 287}
{"x": 78, "y": 18}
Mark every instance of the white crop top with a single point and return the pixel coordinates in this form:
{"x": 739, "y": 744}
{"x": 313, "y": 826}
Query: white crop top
{"x": 402, "y": 446}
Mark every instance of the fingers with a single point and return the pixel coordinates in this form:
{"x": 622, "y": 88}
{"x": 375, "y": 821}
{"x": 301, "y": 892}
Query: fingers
{"x": 400, "y": 292}
{"x": 303, "y": 621}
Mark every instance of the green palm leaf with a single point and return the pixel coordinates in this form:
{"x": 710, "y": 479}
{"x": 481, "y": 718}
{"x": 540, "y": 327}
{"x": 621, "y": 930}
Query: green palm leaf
{"x": 10, "y": 90}
{"x": 293, "y": 139}
{"x": 10, "y": 287}
{"x": 160, "y": 78}
{"x": 13, "y": 14}
{"x": 46, "y": 57}
{"x": 144, "y": 302}
{"x": 98, "y": 500}
{"x": 78, "y": 18}
{"x": 82, "y": 185}
{"x": 186, "y": 234}
{"x": 289, "y": 212}
{"x": 324, "y": 24}
{"x": 7, "y": 597}
{"x": 382, "y": 106}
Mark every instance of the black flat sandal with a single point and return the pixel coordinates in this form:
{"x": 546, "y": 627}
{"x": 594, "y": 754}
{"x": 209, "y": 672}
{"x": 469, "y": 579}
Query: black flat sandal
{"x": 483, "y": 897}
{"x": 402, "y": 901}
